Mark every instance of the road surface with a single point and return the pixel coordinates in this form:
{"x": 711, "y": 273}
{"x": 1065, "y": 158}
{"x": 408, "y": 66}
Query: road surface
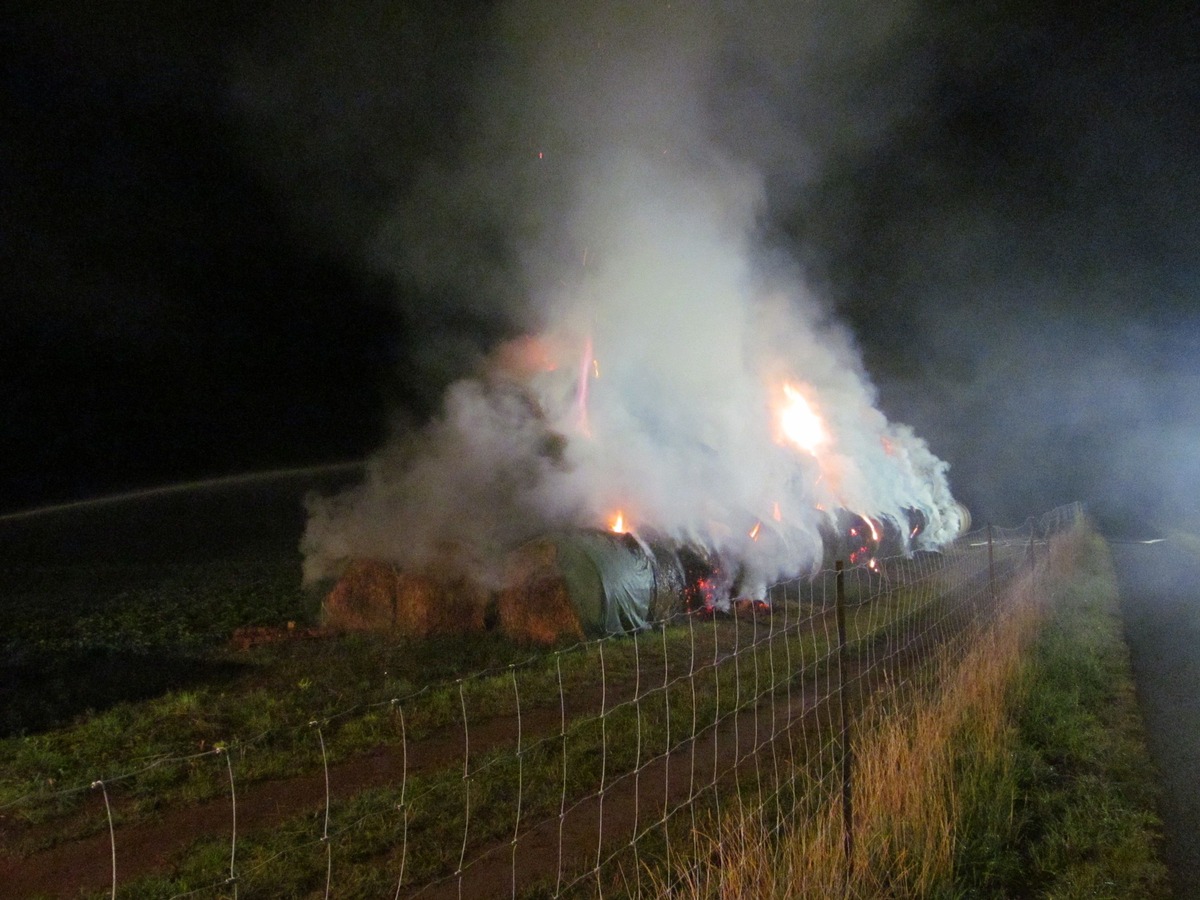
{"x": 1160, "y": 597}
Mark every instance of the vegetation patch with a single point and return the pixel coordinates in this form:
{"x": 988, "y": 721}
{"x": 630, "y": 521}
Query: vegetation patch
{"x": 1069, "y": 812}
{"x": 1013, "y": 765}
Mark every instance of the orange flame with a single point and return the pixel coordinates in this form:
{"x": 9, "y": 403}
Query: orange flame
{"x": 755, "y": 530}
{"x": 799, "y": 422}
{"x": 617, "y": 523}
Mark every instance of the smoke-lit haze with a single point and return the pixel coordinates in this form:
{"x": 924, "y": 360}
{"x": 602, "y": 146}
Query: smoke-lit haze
{"x": 250, "y": 235}
{"x": 667, "y": 338}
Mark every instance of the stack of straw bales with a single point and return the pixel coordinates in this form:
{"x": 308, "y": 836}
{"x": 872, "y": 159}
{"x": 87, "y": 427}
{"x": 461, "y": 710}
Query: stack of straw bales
{"x": 377, "y": 596}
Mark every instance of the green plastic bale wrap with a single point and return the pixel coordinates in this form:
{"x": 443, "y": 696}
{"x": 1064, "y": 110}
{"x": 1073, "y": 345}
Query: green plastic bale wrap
{"x": 579, "y": 583}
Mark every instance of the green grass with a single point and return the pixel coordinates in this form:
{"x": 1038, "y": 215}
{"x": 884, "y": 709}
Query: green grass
{"x": 266, "y": 717}
{"x": 1016, "y": 770}
{"x": 1070, "y": 813}
{"x": 350, "y": 679}
{"x": 264, "y": 708}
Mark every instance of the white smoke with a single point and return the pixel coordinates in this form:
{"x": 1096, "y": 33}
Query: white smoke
{"x": 653, "y": 380}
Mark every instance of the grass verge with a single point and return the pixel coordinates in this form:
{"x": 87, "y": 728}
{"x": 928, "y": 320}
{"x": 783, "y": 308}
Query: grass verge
{"x": 1077, "y": 784}
{"x": 1014, "y": 766}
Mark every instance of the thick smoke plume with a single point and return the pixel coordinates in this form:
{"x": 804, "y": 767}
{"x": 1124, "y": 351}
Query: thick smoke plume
{"x": 669, "y": 357}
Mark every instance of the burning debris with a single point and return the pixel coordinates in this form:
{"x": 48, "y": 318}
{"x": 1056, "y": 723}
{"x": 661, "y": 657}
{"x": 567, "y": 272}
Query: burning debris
{"x": 566, "y": 586}
{"x": 572, "y": 585}
{"x": 526, "y": 475}
{"x": 677, "y": 382}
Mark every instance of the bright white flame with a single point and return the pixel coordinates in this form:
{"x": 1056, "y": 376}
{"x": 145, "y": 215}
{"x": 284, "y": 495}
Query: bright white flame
{"x": 874, "y": 531}
{"x": 755, "y": 530}
{"x": 799, "y": 423}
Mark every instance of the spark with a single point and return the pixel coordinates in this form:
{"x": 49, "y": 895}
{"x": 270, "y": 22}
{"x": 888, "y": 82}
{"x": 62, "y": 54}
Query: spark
{"x": 755, "y": 530}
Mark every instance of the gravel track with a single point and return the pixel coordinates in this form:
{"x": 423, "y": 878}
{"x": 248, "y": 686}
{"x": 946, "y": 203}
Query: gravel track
{"x": 1160, "y": 598}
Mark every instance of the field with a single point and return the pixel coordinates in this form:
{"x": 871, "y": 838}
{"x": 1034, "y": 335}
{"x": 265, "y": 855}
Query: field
{"x": 168, "y": 762}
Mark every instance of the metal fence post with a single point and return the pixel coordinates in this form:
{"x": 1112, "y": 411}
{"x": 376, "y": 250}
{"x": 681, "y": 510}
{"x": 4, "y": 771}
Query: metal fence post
{"x": 847, "y": 761}
{"x": 991, "y": 565}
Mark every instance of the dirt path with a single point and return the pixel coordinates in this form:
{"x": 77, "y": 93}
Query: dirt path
{"x": 1160, "y": 596}
{"x": 629, "y": 801}
{"x": 150, "y": 846}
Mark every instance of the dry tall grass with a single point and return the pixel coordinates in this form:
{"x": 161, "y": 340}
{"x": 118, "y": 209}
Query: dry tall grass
{"x": 917, "y": 753}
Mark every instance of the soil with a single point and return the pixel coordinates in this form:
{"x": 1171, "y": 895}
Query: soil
{"x": 590, "y": 826}
{"x": 177, "y": 525}
{"x": 1160, "y": 597}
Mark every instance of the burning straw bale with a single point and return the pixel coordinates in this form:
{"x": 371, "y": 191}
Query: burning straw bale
{"x": 377, "y": 596}
{"x": 670, "y": 584}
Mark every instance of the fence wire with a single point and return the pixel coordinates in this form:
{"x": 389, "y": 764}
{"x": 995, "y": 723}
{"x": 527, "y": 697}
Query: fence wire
{"x": 596, "y": 761}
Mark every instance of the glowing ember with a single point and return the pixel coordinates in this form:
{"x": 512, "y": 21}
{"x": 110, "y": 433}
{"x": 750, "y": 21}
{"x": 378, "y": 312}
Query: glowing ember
{"x": 755, "y": 530}
{"x": 799, "y": 423}
{"x": 874, "y": 530}
{"x": 617, "y": 523}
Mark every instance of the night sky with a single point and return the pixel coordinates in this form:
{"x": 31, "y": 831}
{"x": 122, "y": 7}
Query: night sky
{"x": 202, "y": 203}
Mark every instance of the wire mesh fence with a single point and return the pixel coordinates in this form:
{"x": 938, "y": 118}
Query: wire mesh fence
{"x": 572, "y": 773}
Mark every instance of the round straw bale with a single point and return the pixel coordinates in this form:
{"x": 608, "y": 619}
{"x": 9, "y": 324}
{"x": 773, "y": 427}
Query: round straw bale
{"x": 438, "y": 604}
{"x": 376, "y": 596}
{"x": 535, "y": 604}
{"x": 669, "y": 584}
{"x": 363, "y": 599}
